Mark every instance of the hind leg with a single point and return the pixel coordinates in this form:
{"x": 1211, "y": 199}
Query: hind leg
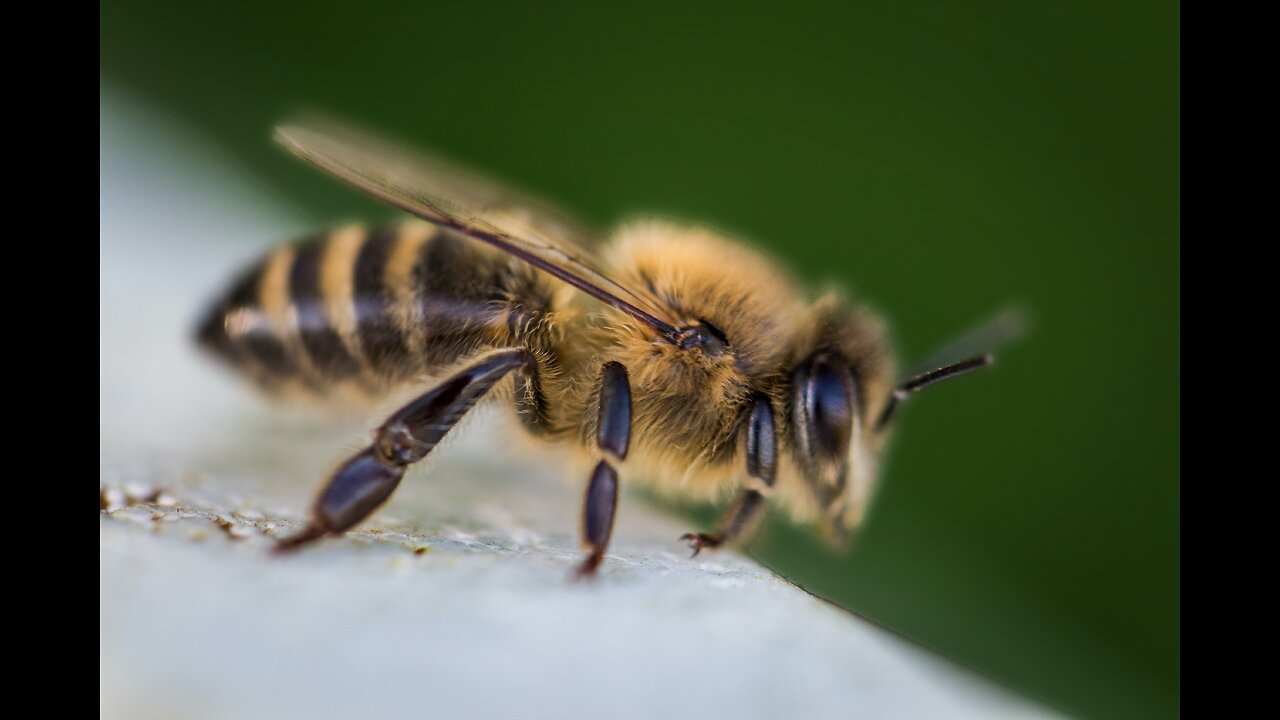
{"x": 368, "y": 478}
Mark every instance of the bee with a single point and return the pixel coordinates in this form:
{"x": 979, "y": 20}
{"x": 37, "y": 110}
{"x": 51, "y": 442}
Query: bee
{"x": 688, "y": 360}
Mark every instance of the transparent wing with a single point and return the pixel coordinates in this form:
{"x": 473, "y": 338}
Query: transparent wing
{"x": 437, "y": 191}
{"x": 1007, "y": 325}
{"x": 971, "y": 352}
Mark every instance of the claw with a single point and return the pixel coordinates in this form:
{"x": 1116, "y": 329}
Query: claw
{"x": 697, "y": 541}
{"x": 587, "y": 570}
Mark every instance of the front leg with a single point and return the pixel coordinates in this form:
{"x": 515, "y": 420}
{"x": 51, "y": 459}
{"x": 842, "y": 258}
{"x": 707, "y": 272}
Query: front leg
{"x": 762, "y": 464}
{"x": 366, "y": 480}
{"x": 613, "y": 438}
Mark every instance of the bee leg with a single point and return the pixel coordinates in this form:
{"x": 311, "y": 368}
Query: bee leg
{"x": 531, "y": 400}
{"x": 736, "y": 525}
{"x": 369, "y": 477}
{"x": 613, "y": 438}
{"x": 762, "y": 464}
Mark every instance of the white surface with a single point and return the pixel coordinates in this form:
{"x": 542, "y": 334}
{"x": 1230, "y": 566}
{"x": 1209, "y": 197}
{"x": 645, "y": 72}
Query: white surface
{"x": 453, "y": 602}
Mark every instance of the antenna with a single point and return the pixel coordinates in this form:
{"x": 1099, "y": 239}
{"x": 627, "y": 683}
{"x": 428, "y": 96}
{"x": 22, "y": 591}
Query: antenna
{"x": 1004, "y": 327}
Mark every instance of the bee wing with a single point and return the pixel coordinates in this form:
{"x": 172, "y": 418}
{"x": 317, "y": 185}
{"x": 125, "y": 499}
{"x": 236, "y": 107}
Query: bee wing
{"x": 1007, "y": 325}
{"x": 971, "y": 352}
{"x": 434, "y": 190}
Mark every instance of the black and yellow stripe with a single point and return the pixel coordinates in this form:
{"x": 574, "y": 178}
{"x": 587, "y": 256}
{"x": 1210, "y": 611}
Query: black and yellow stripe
{"x": 372, "y": 307}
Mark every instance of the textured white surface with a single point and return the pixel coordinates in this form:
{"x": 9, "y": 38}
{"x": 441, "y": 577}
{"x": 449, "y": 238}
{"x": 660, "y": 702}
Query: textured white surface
{"x": 453, "y": 602}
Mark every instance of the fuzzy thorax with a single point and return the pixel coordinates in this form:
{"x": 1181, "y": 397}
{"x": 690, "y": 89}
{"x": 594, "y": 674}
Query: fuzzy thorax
{"x": 689, "y": 403}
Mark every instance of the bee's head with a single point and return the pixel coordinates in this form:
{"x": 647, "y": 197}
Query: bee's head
{"x": 839, "y": 387}
{"x": 843, "y": 395}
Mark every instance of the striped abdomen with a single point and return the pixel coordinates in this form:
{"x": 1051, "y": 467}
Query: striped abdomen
{"x": 373, "y": 306}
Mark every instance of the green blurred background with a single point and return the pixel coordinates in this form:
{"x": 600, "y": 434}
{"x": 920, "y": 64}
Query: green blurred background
{"x": 941, "y": 159}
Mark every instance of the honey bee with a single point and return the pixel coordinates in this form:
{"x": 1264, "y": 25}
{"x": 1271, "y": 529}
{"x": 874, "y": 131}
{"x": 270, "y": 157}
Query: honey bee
{"x": 690, "y": 360}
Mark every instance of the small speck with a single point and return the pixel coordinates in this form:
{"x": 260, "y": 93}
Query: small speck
{"x": 110, "y": 499}
{"x": 138, "y": 493}
{"x": 421, "y": 550}
{"x": 134, "y": 515}
{"x": 240, "y": 532}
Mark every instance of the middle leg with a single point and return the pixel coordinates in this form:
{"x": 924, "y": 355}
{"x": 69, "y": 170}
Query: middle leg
{"x": 613, "y": 439}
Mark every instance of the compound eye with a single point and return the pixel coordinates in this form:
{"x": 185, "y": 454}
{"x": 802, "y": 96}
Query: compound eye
{"x": 832, "y": 409}
{"x": 825, "y": 408}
